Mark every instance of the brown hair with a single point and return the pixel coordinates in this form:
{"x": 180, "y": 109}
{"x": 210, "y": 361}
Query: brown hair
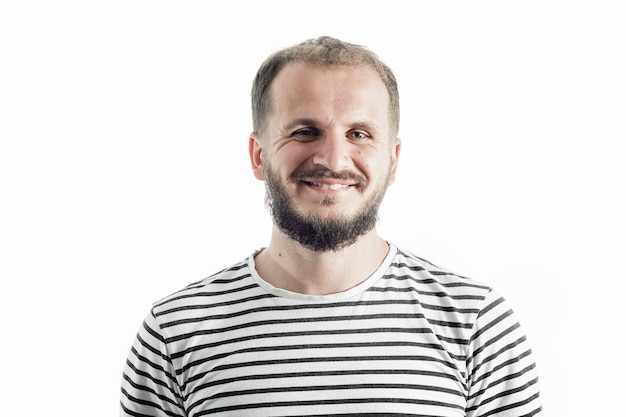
{"x": 321, "y": 51}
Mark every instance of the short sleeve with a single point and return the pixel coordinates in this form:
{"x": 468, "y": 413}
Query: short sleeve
{"x": 502, "y": 376}
{"x": 149, "y": 386}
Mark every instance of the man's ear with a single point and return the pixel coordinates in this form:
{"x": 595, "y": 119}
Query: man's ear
{"x": 395, "y": 154}
{"x": 256, "y": 157}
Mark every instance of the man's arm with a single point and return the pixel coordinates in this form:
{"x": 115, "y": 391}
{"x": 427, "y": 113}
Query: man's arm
{"x": 149, "y": 386}
{"x": 502, "y": 377}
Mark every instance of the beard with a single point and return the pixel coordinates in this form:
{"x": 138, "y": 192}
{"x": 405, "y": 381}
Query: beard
{"x": 312, "y": 230}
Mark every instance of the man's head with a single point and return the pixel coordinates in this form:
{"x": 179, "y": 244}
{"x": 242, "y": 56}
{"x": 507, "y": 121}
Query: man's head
{"x": 328, "y": 150}
{"x": 323, "y": 51}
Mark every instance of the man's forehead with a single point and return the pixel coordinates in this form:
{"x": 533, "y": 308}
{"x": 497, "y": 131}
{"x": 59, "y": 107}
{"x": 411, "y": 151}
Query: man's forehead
{"x": 300, "y": 67}
{"x": 302, "y": 77}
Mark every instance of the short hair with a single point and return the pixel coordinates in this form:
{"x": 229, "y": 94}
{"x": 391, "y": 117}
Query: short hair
{"x": 324, "y": 51}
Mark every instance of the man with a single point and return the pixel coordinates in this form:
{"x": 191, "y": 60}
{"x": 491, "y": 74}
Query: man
{"x": 329, "y": 319}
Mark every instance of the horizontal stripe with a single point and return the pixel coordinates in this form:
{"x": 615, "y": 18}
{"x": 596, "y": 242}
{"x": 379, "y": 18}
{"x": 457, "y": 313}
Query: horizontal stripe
{"x": 317, "y": 374}
{"x": 331, "y": 346}
{"x": 257, "y": 337}
{"x": 325, "y": 402}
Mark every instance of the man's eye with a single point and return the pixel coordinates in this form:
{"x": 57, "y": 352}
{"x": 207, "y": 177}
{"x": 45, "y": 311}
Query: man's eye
{"x": 305, "y": 134}
{"x": 358, "y": 135}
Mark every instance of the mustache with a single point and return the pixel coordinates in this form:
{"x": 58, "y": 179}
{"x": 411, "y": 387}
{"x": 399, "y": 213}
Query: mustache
{"x": 321, "y": 173}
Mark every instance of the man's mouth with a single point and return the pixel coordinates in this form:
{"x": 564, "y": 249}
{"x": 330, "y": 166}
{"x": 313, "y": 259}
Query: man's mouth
{"x": 327, "y": 180}
{"x": 325, "y": 186}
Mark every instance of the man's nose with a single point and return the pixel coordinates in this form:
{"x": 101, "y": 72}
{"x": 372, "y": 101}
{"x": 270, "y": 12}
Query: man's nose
{"x": 332, "y": 152}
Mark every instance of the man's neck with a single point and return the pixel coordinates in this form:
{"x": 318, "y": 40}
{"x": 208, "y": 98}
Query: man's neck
{"x": 288, "y": 265}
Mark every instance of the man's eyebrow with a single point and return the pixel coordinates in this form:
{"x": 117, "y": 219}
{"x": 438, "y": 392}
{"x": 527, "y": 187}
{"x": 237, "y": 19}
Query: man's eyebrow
{"x": 363, "y": 125}
{"x": 373, "y": 129}
{"x": 305, "y": 121}
{"x": 301, "y": 122}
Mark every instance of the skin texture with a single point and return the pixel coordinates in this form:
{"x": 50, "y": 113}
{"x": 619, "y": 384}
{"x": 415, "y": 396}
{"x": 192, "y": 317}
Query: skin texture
{"x": 327, "y": 152}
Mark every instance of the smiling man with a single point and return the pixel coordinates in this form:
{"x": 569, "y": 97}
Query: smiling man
{"x": 329, "y": 319}
{"x": 327, "y": 151}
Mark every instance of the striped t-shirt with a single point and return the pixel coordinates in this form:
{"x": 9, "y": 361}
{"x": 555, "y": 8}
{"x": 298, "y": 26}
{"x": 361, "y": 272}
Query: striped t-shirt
{"x": 413, "y": 339}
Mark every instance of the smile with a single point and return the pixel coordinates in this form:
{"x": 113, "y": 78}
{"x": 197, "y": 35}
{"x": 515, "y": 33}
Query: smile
{"x": 325, "y": 180}
{"x": 329, "y": 186}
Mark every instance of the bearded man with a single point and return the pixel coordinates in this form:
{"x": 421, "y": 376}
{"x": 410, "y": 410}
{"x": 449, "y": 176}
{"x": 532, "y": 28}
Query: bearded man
{"x": 329, "y": 319}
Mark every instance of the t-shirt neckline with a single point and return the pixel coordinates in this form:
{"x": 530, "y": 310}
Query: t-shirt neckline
{"x": 340, "y": 296}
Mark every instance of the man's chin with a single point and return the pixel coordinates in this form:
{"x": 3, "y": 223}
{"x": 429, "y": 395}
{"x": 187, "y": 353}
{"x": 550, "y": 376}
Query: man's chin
{"x": 323, "y": 245}
{"x": 325, "y": 233}
{"x": 329, "y": 216}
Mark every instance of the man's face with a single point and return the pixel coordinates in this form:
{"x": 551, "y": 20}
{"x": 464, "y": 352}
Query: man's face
{"x": 326, "y": 155}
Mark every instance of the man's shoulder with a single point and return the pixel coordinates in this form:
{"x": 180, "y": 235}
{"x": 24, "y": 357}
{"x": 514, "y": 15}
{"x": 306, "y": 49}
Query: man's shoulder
{"x": 228, "y": 280}
{"x": 425, "y": 273}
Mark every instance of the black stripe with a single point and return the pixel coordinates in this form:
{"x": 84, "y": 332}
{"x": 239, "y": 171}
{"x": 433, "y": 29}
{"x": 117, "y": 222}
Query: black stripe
{"x": 450, "y": 309}
{"x": 152, "y": 332}
{"x": 283, "y": 322}
{"x": 324, "y": 388}
{"x": 369, "y": 414}
{"x": 393, "y": 302}
{"x": 491, "y": 306}
{"x": 506, "y": 393}
{"x": 534, "y": 412}
{"x": 491, "y": 324}
{"x": 307, "y": 347}
{"x": 286, "y": 321}
{"x": 131, "y": 412}
{"x": 204, "y": 281}
{"x": 151, "y": 378}
{"x": 501, "y": 380}
{"x": 414, "y": 257}
{"x": 312, "y": 374}
{"x": 329, "y": 402}
{"x": 295, "y": 308}
{"x": 153, "y": 365}
{"x": 205, "y": 294}
{"x": 221, "y": 342}
{"x": 214, "y": 305}
{"x": 150, "y": 404}
{"x": 491, "y": 341}
{"x": 156, "y": 351}
{"x": 150, "y": 390}
{"x": 465, "y": 283}
{"x": 502, "y": 365}
{"x": 436, "y": 293}
{"x": 496, "y": 354}
{"x": 327, "y": 359}
{"x": 514, "y": 405}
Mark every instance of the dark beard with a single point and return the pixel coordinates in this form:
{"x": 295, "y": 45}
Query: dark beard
{"x": 313, "y": 231}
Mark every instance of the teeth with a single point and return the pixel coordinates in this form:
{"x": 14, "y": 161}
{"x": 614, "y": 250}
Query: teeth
{"x": 332, "y": 186}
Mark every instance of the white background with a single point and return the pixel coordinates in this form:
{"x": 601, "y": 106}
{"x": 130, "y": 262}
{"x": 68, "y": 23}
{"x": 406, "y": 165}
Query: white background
{"x": 124, "y": 172}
